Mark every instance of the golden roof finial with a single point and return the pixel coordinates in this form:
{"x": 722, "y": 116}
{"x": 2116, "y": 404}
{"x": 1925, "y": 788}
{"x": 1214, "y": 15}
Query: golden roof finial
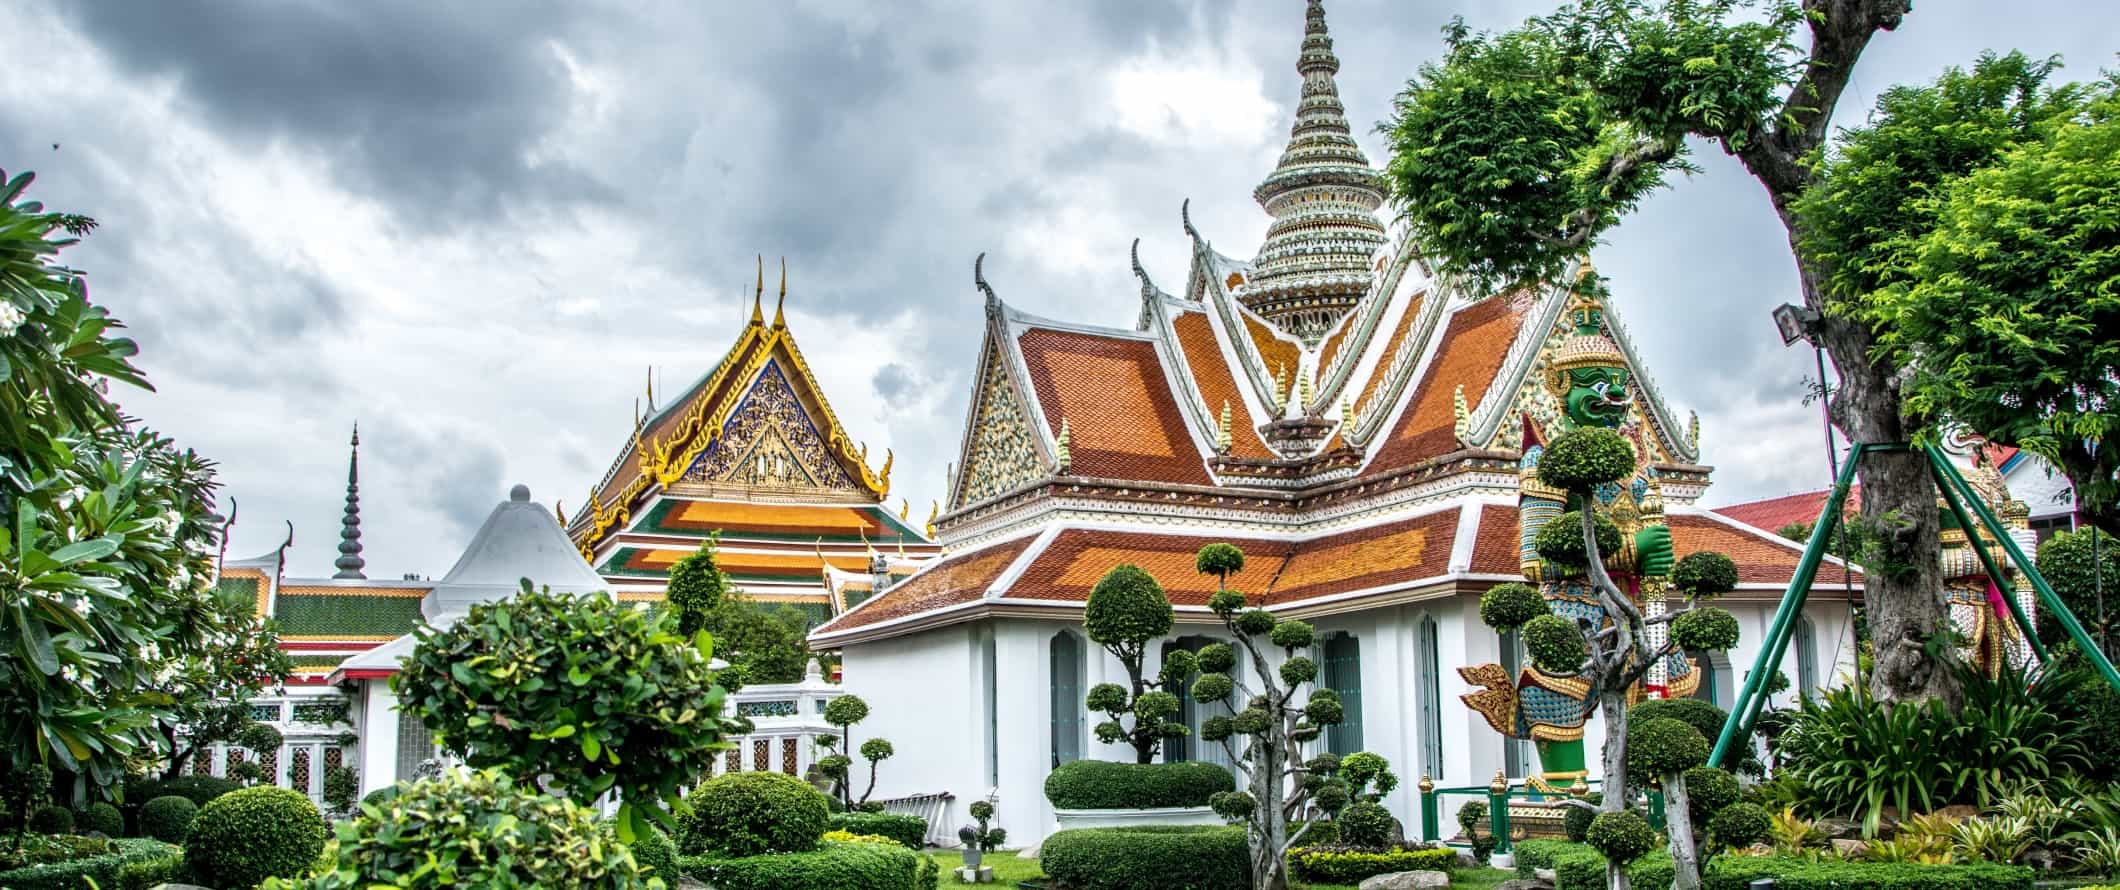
{"x": 651, "y": 389}
{"x": 559, "y": 512}
{"x": 780, "y": 320}
{"x": 905, "y": 508}
{"x": 1222, "y": 430}
{"x": 758, "y": 315}
{"x": 934, "y": 511}
{"x": 884, "y": 476}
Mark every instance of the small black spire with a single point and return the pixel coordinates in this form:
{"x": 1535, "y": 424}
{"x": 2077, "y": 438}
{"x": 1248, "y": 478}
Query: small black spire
{"x": 349, "y": 563}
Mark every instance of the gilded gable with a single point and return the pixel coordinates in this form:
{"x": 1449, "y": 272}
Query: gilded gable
{"x": 769, "y": 441}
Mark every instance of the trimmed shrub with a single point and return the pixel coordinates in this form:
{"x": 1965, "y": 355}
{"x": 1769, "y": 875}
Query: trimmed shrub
{"x": 1321, "y": 834}
{"x": 1102, "y": 785}
{"x": 1560, "y": 541}
{"x": 1738, "y": 873}
{"x": 1705, "y": 574}
{"x": 753, "y": 813}
{"x": 1577, "y": 820}
{"x": 1662, "y": 747}
{"x": 1504, "y": 606}
{"x": 1348, "y": 865}
{"x": 832, "y": 866}
{"x": 100, "y": 817}
{"x": 1581, "y": 868}
{"x": 908, "y": 830}
{"x": 1586, "y": 457}
{"x": 1740, "y": 825}
{"x": 243, "y": 837}
{"x": 1708, "y": 791}
{"x": 1706, "y": 629}
{"x": 198, "y": 789}
{"x": 1366, "y": 825}
{"x": 474, "y": 829}
{"x": 1555, "y": 645}
{"x": 168, "y": 818}
{"x": 1623, "y": 835}
{"x": 133, "y": 864}
{"x": 1148, "y": 857}
{"x": 52, "y": 819}
{"x": 1538, "y": 853}
{"x": 657, "y": 855}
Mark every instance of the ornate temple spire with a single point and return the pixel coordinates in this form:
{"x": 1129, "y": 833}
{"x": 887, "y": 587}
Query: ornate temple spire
{"x": 758, "y": 315}
{"x": 349, "y": 563}
{"x": 780, "y": 318}
{"x": 1323, "y": 196}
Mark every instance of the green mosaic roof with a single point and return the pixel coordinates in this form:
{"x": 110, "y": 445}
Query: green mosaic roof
{"x": 246, "y": 586}
{"x": 346, "y": 615}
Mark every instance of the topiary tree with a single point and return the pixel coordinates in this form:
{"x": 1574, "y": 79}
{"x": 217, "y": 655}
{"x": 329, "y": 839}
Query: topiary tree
{"x": 982, "y": 838}
{"x": 696, "y": 587}
{"x": 101, "y": 818}
{"x": 243, "y": 837}
{"x": 752, "y": 813}
{"x": 1622, "y": 836}
{"x": 476, "y": 829}
{"x": 547, "y": 706}
{"x": 1365, "y": 824}
{"x": 1510, "y": 605}
{"x": 167, "y": 818}
{"x": 1740, "y": 825}
{"x": 874, "y": 751}
{"x": 341, "y": 786}
{"x": 1126, "y": 610}
{"x": 844, "y": 711}
{"x": 1273, "y": 726}
{"x": 1667, "y": 748}
{"x": 52, "y": 819}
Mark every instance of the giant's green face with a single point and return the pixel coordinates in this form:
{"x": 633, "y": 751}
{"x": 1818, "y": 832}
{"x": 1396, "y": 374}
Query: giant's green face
{"x": 1598, "y": 396}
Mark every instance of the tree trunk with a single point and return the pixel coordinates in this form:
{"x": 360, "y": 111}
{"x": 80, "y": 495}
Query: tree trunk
{"x": 1269, "y": 862}
{"x": 1685, "y": 855}
{"x": 1613, "y": 702}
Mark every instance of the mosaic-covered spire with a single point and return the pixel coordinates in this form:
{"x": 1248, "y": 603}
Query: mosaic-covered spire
{"x": 1323, "y": 197}
{"x": 349, "y": 563}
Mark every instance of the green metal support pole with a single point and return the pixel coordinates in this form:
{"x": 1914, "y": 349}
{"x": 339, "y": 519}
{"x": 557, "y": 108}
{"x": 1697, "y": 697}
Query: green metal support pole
{"x": 1746, "y": 708}
{"x": 1429, "y": 814}
{"x": 1954, "y": 498}
{"x": 1498, "y": 812}
{"x": 2047, "y": 597}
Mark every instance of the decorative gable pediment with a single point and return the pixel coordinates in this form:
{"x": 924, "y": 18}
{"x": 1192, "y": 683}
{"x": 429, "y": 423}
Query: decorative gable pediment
{"x": 769, "y": 440}
{"x": 1001, "y": 450}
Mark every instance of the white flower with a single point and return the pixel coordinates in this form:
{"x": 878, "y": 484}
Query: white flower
{"x": 10, "y": 317}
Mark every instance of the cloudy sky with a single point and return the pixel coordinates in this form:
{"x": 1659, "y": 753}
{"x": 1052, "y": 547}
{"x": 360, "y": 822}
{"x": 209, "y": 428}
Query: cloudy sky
{"x": 474, "y": 227}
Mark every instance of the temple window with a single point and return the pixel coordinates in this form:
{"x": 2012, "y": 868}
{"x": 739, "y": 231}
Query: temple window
{"x": 415, "y": 746}
{"x": 1428, "y": 693}
{"x": 1806, "y": 643}
{"x": 1341, "y": 672}
{"x": 989, "y": 694}
{"x": 1067, "y": 697}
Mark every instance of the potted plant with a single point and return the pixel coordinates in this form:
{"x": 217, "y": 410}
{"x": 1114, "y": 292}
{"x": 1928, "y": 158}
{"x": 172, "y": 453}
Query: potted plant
{"x": 978, "y": 841}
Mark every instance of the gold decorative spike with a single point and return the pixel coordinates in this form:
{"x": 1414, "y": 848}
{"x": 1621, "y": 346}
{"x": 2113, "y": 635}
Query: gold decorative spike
{"x": 651, "y": 389}
{"x": 780, "y": 319}
{"x": 1580, "y": 789}
{"x": 1280, "y": 384}
{"x": 559, "y": 512}
{"x": 1693, "y": 431}
{"x": 1222, "y": 430}
{"x": 865, "y": 545}
{"x": 1060, "y": 446}
{"x": 1463, "y": 413}
{"x": 883, "y": 478}
{"x": 1302, "y": 389}
{"x": 864, "y": 454}
{"x": 905, "y": 509}
{"x": 758, "y": 315}
{"x": 934, "y": 512}
{"x": 1427, "y": 783}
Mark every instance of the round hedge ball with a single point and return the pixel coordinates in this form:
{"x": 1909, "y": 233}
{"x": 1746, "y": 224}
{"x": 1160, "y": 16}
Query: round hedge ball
{"x": 1216, "y": 658}
{"x": 1555, "y": 645}
{"x": 1213, "y": 687}
{"x": 1708, "y": 791}
{"x": 657, "y": 855}
{"x": 751, "y": 813}
{"x": 1365, "y": 824}
{"x": 1506, "y": 606}
{"x": 1232, "y": 805}
{"x": 1126, "y": 606}
{"x": 1740, "y": 825}
{"x": 52, "y": 819}
{"x": 1293, "y": 634}
{"x": 1225, "y": 602}
{"x": 1219, "y": 559}
{"x": 167, "y": 818}
{"x": 1706, "y": 629}
{"x": 1622, "y": 836}
{"x": 1584, "y": 458}
{"x": 243, "y": 837}
{"x": 1664, "y": 746}
{"x": 1704, "y": 575}
{"x": 1298, "y": 670}
{"x": 1577, "y": 822}
{"x": 102, "y": 818}
{"x": 846, "y": 710}
{"x": 1560, "y": 540}
{"x": 1255, "y": 622}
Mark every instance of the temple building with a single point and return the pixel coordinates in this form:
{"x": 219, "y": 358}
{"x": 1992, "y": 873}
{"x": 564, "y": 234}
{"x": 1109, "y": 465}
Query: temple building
{"x": 1362, "y": 430}
{"x": 751, "y": 453}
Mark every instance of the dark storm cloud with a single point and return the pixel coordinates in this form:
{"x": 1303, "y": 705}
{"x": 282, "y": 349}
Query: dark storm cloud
{"x": 435, "y": 105}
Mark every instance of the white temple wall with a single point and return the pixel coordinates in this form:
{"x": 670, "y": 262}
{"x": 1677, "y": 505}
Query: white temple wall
{"x": 925, "y": 695}
{"x": 379, "y": 735}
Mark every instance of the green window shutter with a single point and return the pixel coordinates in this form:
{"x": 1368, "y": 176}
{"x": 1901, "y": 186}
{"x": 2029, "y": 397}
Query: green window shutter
{"x": 1343, "y": 674}
{"x": 1067, "y": 698}
{"x": 1428, "y": 690}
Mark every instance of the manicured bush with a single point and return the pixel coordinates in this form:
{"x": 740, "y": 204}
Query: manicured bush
{"x": 1148, "y": 857}
{"x": 474, "y": 829}
{"x": 1366, "y": 825}
{"x": 1103, "y": 785}
{"x": 1585, "y": 457}
{"x": 1555, "y": 645}
{"x": 1623, "y": 835}
{"x": 132, "y": 864}
{"x": 1740, "y": 825}
{"x": 1348, "y": 865}
{"x": 1662, "y": 747}
{"x": 1708, "y": 791}
{"x": 243, "y": 837}
{"x": 1560, "y": 541}
{"x": 1581, "y": 868}
{"x": 168, "y": 818}
{"x": 1702, "y": 716}
{"x": 1320, "y": 834}
{"x": 906, "y": 829}
{"x": 752, "y": 813}
{"x": 1576, "y": 823}
{"x": 657, "y": 855}
{"x": 1705, "y": 629}
{"x": 1504, "y": 606}
{"x": 832, "y": 866}
{"x": 1738, "y": 873}
{"x": 1538, "y": 853}
{"x": 197, "y": 789}
{"x": 100, "y": 817}
{"x": 52, "y": 819}
{"x": 1705, "y": 574}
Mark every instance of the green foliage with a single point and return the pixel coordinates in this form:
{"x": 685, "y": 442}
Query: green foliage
{"x": 1739, "y": 825}
{"x": 1849, "y": 754}
{"x": 1225, "y": 602}
{"x": 1968, "y": 223}
{"x": 1344, "y": 865}
{"x": 1471, "y": 817}
{"x": 750, "y": 813}
{"x": 1705, "y": 574}
{"x": 1148, "y": 857}
{"x": 529, "y": 685}
{"x": 1212, "y": 687}
{"x": 200, "y": 790}
{"x": 52, "y": 819}
{"x": 167, "y": 818}
{"x": 1705, "y": 629}
{"x": 1368, "y": 775}
{"x": 1621, "y": 836}
{"x": 1576, "y": 824}
{"x": 833, "y": 866}
{"x": 1235, "y": 806}
{"x": 762, "y": 643}
{"x": 1298, "y": 670}
{"x": 474, "y": 829}
{"x": 260, "y": 738}
{"x": 341, "y": 784}
{"x": 1254, "y": 622}
{"x": 1578, "y": 867}
{"x": 908, "y": 830}
{"x": 696, "y": 588}
{"x": 1217, "y": 658}
{"x": 243, "y": 837}
{"x": 1586, "y": 457}
{"x": 101, "y": 818}
{"x": 1127, "y": 608}
{"x": 1708, "y": 790}
{"x": 1508, "y": 606}
{"x": 656, "y": 855}
{"x": 1219, "y": 559}
{"x": 129, "y": 864}
{"x": 1664, "y": 746}
{"x": 1365, "y": 825}
{"x": 1125, "y": 611}
{"x": 1789, "y": 873}
{"x": 1704, "y": 717}
{"x": 1556, "y": 647}
{"x": 876, "y": 749}
{"x": 1103, "y": 785}
{"x": 1560, "y": 541}
{"x": 2065, "y": 562}
{"x": 1292, "y": 634}
{"x": 845, "y": 710}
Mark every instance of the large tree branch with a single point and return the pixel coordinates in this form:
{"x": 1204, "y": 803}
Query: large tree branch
{"x": 1840, "y": 31}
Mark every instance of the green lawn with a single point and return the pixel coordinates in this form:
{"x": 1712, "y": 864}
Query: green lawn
{"x": 1008, "y": 869}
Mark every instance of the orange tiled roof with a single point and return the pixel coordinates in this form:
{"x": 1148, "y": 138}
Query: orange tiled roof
{"x": 952, "y": 581}
{"x": 1391, "y": 348}
{"x": 1217, "y": 383}
{"x": 1499, "y": 550}
{"x": 1773, "y": 513}
{"x": 1760, "y": 559}
{"x": 1331, "y": 347}
{"x": 1275, "y": 353}
{"x": 1470, "y": 353}
{"x": 793, "y": 564}
{"x": 1122, "y": 418}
